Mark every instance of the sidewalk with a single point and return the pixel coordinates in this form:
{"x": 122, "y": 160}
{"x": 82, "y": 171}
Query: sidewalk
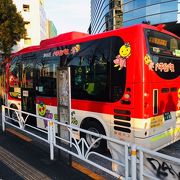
{"x": 30, "y": 158}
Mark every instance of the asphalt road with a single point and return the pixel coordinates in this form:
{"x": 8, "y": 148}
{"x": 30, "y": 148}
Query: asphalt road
{"x": 172, "y": 150}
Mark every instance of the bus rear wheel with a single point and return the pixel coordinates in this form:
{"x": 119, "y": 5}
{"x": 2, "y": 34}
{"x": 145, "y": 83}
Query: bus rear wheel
{"x": 96, "y": 127}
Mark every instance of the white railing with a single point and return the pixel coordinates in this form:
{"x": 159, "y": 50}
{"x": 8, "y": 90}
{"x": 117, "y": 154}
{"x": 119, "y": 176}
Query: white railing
{"x": 155, "y": 165}
{"x": 77, "y": 148}
{"x": 127, "y": 161}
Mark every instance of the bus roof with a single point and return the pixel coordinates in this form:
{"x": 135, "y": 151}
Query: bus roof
{"x": 71, "y": 36}
{"x": 52, "y": 41}
{"x": 62, "y": 38}
{"x": 27, "y": 49}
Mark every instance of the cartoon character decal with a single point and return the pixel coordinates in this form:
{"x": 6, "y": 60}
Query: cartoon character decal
{"x": 41, "y": 109}
{"x": 159, "y": 66}
{"x": 73, "y": 118}
{"x": 124, "y": 54}
{"x": 44, "y": 112}
{"x": 178, "y": 104}
{"x": 148, "y": 61}
{"x": 75, "y": 49}
{"x": 48, "y": 115}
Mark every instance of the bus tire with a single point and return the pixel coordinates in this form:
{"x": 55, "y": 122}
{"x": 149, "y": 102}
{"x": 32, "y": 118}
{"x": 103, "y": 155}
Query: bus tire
{"x": 13, "y": 115}
{"x": 94, "y": 126}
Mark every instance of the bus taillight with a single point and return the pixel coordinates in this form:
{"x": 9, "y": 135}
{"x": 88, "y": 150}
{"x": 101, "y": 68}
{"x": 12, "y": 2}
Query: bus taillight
{"x": 126, "y": 97}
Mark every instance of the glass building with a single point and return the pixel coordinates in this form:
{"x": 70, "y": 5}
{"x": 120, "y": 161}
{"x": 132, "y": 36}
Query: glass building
{"x": 51, "y": 29}
{"x": 154, "y": 12}
{"x": 112, "y": 14}
{"x": 105, "y": 15}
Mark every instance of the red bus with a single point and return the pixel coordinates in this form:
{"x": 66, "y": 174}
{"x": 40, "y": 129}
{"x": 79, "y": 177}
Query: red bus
{"x": 125, "y": 83}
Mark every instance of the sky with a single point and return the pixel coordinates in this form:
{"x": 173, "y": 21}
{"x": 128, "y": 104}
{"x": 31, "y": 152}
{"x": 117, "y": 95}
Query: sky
{"x": 68, "y": 15}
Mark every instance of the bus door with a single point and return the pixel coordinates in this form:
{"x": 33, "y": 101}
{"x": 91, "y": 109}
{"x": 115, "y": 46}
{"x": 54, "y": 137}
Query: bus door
{"x": 28, "y": 91}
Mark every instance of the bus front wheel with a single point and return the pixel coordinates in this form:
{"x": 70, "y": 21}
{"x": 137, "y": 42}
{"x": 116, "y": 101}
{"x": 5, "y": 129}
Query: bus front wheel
{"x": 14, "y": 117}
{"x": 96, "y": 127}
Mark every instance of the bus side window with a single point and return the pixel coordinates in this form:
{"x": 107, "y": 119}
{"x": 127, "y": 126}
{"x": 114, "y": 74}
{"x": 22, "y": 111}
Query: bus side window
{"x": 15, "y": 78}
{"x": 27, "y": 74}
{"x": 93, "y": 75}
{"x": 89, "y": 75}
{"x": 46, "y": 76}
{"x": 78, "y": 78}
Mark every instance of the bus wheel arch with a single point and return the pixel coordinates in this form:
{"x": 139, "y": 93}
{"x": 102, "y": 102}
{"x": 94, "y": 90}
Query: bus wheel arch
{"x": 94, "y": 125}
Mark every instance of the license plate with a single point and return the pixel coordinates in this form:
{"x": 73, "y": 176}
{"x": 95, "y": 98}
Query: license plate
{"x": 167, "y": 116}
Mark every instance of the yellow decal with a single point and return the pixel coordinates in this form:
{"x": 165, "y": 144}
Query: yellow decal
{"x": 166, "y": 134}
{"x": 156, "y": 121}
{"x": 41, "y": 109}
{"x": 178, "y": 103}
{"x": 51, "y": 123}
{"x": 148, "y": 61}
{"x": 14, "y": 94}
{"x": 125, "y": 50}
{"x": 124, "y": 54}
{"x": 179, "y": 93}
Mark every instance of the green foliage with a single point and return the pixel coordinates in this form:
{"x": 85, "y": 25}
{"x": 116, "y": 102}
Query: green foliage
{"x": 11, "y": 26}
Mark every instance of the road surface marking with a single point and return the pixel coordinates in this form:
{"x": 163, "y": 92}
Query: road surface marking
{"x": 23, "y": 137}
{"x": 86, "y": 171}
{"x": 20, "y": 167}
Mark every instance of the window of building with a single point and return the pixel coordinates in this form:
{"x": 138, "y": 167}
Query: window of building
{"x": 27, "y": 27}
{"x": 26, "y": 8}
{"x": 27, "y": 41}
{"x": 27, "y": 24}
{"x": 41, "y": 2}
{"x": 117, "y": 3}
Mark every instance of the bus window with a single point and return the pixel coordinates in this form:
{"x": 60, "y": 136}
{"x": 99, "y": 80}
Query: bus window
{"x": 27, "y": 74}
{"x": 15, "y": 78}
{"x": 2, "y": 84}
{"x": 165, "y": 54}
{"x": 89, "y": 75}
{"x": 46, "y": 76}
{"x": 117, "y": 77}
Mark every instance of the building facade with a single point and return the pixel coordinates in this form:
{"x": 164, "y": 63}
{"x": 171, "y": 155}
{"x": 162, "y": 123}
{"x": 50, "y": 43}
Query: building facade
{"x": 112, "y": 14}
{"x": 34, "y": 16}
{"x": 105, "y": 15}
{"x": 153, "y": 11}
{"x": 51, "y": 29}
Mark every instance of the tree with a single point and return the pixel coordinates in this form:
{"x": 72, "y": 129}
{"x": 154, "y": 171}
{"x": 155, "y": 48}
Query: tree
{"x": 11, "y": 27}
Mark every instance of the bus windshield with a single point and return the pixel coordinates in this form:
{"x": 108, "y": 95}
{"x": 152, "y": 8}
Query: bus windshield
{"x": 164, "y": 51}
{"x": 163, "y": 44}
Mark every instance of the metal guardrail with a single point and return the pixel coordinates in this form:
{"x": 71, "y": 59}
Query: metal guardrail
{"x": 155, "y": 165}
{"x": 127, "y": 161}
{"x": 77, "y": 148}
